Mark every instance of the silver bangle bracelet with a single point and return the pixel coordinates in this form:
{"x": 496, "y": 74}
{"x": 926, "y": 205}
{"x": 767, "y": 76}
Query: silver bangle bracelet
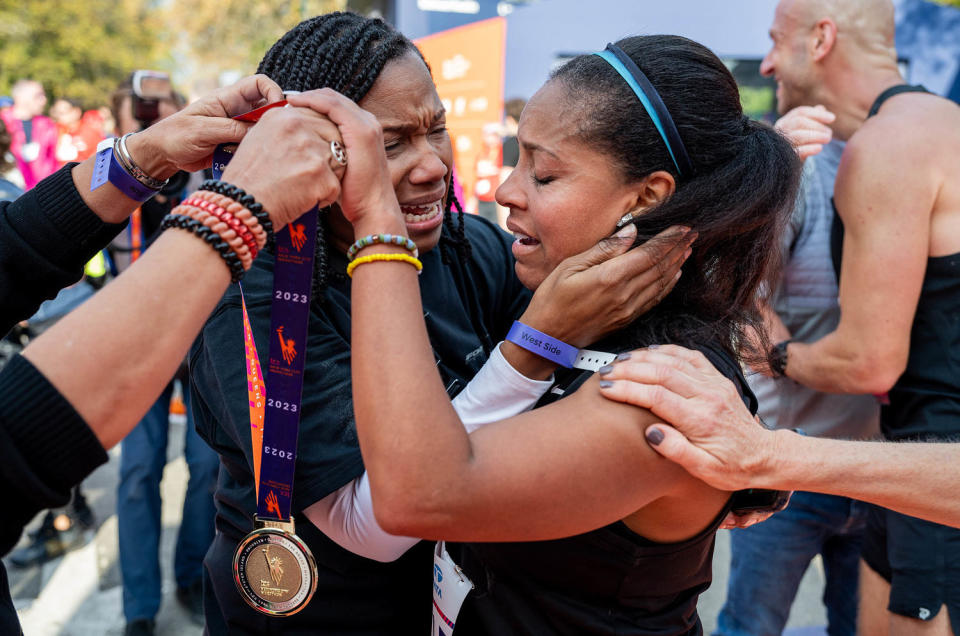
{"x": 135, "y": 171}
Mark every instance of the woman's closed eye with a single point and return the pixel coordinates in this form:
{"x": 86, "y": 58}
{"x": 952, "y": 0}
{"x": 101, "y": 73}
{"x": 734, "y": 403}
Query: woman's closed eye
{"x": 541, "y": 181}
{"x": 391, "y": 145}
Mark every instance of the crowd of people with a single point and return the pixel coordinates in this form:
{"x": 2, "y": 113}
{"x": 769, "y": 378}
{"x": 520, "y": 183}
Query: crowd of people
{"x": 434, "y": 398}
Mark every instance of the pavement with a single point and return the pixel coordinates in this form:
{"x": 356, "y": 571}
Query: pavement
{"x": 79, "y": 593}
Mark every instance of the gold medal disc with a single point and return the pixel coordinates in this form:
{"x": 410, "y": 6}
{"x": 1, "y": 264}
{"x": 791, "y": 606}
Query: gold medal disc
{"x": 274, "y": 572}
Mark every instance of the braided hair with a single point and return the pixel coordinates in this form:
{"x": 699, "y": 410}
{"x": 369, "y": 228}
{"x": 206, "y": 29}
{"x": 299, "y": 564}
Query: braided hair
{"x": 347, "y": 52}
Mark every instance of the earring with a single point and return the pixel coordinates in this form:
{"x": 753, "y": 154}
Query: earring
{"x": 626, "y": 218}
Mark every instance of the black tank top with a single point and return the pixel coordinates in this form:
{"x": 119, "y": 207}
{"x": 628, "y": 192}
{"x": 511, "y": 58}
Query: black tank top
{"x": 925, "y": 401}
{"x": 609, "y": 581}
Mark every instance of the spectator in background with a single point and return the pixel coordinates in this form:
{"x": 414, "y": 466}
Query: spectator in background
{"x": 10, "y": 179}
{"x": 78, "y": 133}
{"x": 510, "y": 148}
{"x": 768, "y": 560}
{"x": 488, "y": 172}
{"x": 144, "y": 450}
{"x": 34, "y": 137}
{"x": 107, "y": 122}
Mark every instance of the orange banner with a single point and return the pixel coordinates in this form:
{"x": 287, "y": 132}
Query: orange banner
{"x": 467, "y": 64}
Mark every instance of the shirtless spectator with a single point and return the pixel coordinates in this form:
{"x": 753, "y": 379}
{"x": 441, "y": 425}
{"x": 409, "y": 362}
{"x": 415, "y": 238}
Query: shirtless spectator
{"x": 897, "y": 194}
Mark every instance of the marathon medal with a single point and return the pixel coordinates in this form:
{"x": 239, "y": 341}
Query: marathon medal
{"x": 273, "y": 568}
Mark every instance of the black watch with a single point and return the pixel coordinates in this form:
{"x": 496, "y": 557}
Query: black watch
{"x": 778, "y": 359}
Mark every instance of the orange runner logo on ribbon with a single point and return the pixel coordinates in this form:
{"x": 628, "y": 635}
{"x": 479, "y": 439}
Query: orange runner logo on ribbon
{"x": 273, "y": 505}
{"x": 287, "y": 346}
{"x": 297, "y": 236}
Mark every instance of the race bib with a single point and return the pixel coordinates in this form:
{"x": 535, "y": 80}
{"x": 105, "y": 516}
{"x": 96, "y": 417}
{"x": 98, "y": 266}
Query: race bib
{"x": 450, "y": 588}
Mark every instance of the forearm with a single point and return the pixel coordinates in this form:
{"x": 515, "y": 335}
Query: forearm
{"x": 917, "y": 479}
{"x": 412, "y": 440}
{"x": 136, "y": 332}
{"x": 833, "y": 364}
{"x": 346, "y": 515}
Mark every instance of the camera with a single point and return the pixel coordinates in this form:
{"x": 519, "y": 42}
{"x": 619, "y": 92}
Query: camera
{"x": 149, "y": 89}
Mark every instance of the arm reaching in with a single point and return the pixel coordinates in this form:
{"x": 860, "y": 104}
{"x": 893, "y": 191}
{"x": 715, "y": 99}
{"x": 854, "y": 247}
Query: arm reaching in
{"x": 717, "y": 440}
{"x": 51, "y": 231}
{"x": 138, "y": 329}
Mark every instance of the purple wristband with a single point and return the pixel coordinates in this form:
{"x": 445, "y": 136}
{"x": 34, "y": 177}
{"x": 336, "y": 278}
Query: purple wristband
{"x": 541, "y": 344}
{"x": 108, "y": 168}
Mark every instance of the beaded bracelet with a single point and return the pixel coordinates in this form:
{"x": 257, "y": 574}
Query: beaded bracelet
{"x": 196, "y": 227}
{"x": 373, "y": 258}
{"x": 239, "y": 195}
{"x": 237, "y": 210}
{"x": 231, "y": 220}
{"x": 222, "y": 229}
{"x": 391, "y": 239}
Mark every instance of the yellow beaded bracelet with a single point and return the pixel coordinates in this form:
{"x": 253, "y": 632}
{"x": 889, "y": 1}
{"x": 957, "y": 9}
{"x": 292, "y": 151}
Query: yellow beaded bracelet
{"x": 372, "y": 258}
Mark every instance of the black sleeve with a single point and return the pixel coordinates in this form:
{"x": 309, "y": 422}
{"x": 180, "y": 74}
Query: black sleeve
{"x": 328, "y": 451}
{"x": 502, "y": 298}
{"x": 46, "y": 237}
{"x": 45, "y": 448}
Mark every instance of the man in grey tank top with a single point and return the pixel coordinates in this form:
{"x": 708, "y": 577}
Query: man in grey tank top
{"x": 769, "y": 559}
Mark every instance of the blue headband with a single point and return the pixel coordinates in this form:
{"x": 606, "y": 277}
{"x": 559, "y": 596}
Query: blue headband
{"x": 652, "y": 103}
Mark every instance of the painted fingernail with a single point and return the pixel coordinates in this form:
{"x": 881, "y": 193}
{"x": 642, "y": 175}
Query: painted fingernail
{"x": 605, "y": 369}
{"x": 605, "y": 384}
{"x": 623, "y": 356}
{"x": 654, "y": 436}
{"x": 628, "y": 231}
{"x": 654, "y": 346}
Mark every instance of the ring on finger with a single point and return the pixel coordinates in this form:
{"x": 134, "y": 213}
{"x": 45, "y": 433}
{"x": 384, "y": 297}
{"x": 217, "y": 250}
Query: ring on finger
{"x": 338, "y": 152}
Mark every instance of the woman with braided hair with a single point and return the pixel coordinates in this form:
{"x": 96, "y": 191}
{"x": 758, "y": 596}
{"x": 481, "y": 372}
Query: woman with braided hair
{"x": 368, "y": 581}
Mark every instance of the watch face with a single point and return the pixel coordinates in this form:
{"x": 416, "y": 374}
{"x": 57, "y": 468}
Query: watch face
{"x": 778, "y": 359}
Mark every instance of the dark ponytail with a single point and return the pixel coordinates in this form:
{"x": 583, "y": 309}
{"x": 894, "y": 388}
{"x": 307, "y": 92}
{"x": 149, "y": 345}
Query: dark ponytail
{"x": 738, "y": 198}
{"x": 346, "y": 52}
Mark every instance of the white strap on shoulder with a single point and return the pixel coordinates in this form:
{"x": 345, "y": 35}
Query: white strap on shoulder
{"x": 592, "y": 360}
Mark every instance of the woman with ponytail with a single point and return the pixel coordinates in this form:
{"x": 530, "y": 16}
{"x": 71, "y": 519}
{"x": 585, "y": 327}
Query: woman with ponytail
{"x": 648, "y": 134}
{"x": 369, "y": 582}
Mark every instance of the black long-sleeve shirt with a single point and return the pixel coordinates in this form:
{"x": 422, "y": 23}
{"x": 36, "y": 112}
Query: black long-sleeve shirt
{"x": 46, "y": 237}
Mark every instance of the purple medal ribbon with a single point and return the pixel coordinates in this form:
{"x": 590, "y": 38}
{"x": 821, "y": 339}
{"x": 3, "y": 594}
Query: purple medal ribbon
{"x": 289, "y": 318}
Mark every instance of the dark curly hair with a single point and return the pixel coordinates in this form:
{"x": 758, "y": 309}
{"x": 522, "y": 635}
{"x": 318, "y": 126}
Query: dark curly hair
{"x": 347, "y": 52}
{"x": 738, "y": 198}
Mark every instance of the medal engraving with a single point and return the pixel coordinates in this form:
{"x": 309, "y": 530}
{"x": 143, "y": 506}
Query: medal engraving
{"x": 274, "y": 571}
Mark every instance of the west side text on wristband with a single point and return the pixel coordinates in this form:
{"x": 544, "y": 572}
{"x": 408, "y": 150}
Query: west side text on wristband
{"x": 108, "y": 168}
{"x": 541, "y": 344}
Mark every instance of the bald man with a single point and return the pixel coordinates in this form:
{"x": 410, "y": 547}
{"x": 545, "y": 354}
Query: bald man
{"x": 898, "y": 195}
